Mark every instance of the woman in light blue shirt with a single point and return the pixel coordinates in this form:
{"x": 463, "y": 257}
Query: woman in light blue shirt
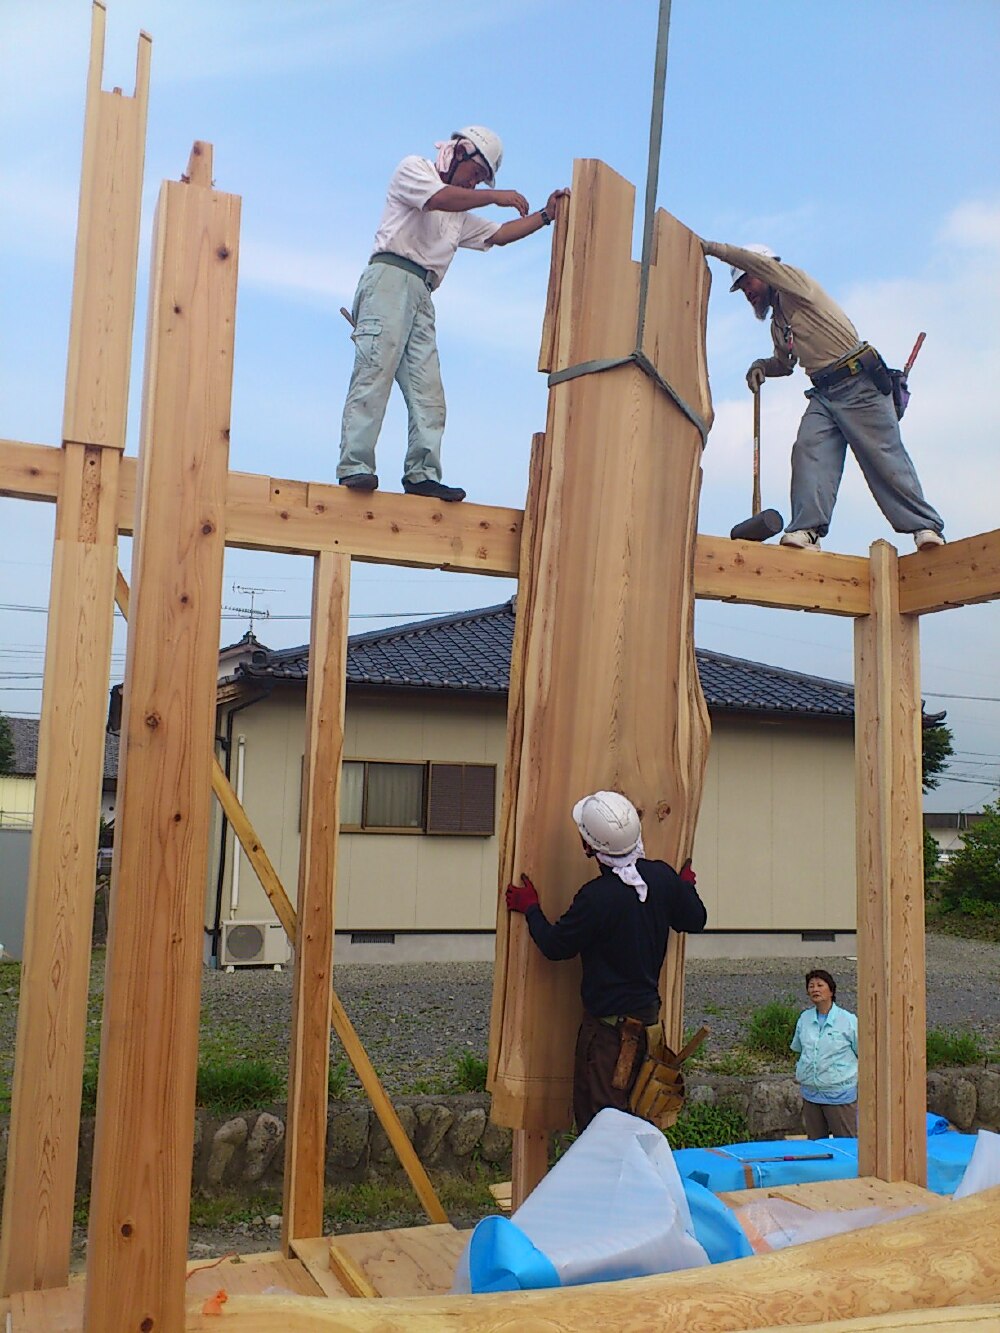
{"x": 826, "y": 1040}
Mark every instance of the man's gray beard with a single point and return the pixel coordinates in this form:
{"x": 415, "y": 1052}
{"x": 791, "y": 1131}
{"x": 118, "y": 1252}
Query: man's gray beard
{"x": 762, "y": 308}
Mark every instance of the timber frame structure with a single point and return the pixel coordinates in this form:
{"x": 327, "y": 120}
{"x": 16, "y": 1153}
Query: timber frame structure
{"x": 183, "y": 506}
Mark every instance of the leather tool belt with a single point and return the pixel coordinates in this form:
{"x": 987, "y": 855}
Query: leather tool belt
{"x": 865, "y": 360}
{"x": 425, "y": 275}
{"x": 658, "y": 1092}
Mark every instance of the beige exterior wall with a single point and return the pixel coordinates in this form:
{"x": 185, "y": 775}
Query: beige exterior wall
{"x": 774, "y": 849}
{"x": 17, "y": 801}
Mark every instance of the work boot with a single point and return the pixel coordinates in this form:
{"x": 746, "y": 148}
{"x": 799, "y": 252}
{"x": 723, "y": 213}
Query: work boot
{"x": 360, "y": 481}
{"x": 926, "y": 538}
{"x": 805, "y": 539}
{"x": 434, "y": 490}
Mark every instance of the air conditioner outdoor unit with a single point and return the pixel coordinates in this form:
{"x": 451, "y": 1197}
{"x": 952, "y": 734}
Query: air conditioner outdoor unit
{"x": 254, "y": 944}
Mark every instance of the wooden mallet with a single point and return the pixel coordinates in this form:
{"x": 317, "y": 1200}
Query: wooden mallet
{"x": 762, "y": 523}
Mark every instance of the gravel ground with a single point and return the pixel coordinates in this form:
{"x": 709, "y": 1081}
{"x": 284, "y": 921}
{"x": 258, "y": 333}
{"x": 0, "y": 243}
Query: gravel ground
{"x": 416, "y": 1019}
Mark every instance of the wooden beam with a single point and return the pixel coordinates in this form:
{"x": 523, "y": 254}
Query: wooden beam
{"x": 529, "y": 1163}
{"x": 892, "y": 1086}
{"x": 309, "y": 1050}
{"x": 958, "y": 574}
{"x": 107, "y": 244}
{"x": 944, "y": 1259}
{"x": 37, "y": 1229}
{"x": 753, "y": 572}
{"x": 137, "y": 1247}
{"x": 304, "y": 518}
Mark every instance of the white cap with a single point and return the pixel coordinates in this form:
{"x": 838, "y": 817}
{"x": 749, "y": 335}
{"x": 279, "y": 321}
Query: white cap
{"x": 608, "y": 822}
{"x": 738, "y": 274}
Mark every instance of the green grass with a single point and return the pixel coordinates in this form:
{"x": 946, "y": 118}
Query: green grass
{"x": 953, "y": 1048}
{"x": 238, "y": 1085}
{"x": 771, "y": 1028}
{"x": 337, "y": 1079}
{"x": 469, "y": 1074}
{"x": 978, "y": 925}
{"x": 708, "y": 1125}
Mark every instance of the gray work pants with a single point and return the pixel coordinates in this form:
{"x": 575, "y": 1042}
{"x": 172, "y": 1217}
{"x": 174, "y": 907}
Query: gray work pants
{"x": 394, "y": 339}
{"x": 830, "y": 1122}
{"x": 854, "y": 413}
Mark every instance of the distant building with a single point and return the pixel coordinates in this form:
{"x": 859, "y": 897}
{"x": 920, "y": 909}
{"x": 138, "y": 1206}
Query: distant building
{"x": 17, "y": 789}
{"x": 948, "y": 830}
{"x": 423, "y": 761}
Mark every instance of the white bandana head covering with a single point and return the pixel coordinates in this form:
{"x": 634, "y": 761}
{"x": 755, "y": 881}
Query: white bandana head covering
{"x": 624, "y": 868}
{"x": 446, "y": 153}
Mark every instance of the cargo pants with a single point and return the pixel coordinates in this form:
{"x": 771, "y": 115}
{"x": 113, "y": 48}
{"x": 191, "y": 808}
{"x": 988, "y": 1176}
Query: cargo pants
{"x": 853, "y": 413}
{"x": 394, "y": 339}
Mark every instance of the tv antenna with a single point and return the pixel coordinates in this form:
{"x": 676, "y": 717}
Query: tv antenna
{"x": 252, "y": 610}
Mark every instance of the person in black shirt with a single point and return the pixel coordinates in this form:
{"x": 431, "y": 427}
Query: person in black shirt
{"x": 618, "y": 923}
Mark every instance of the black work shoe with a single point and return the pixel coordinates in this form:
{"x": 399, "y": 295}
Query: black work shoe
{"x": 361, "y": 481}
{"x": 434, "y": 490}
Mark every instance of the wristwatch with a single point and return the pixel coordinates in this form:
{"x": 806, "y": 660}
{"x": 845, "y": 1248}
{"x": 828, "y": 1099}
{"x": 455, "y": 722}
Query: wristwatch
{"x": 546, "y": 220}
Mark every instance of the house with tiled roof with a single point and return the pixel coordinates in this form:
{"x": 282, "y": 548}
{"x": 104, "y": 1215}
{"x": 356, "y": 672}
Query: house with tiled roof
{"x": 17, "y": 788}
{"x": 425, "y": 729}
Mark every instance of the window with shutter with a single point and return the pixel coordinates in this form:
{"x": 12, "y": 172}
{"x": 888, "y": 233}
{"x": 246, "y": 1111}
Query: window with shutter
{"x": 462, "y": 799}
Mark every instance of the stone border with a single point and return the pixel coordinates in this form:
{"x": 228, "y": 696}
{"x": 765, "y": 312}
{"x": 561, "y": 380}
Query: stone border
{"x": 454, "y": 1135}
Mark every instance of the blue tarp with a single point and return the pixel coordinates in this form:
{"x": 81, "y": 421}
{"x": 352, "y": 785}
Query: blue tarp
{"x": 743, "y": 1166}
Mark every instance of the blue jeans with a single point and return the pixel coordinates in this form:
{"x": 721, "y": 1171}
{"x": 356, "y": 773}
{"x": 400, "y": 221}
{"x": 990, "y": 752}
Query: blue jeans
{"x": 854, "y": 413}
{"x": 394, "y": 339}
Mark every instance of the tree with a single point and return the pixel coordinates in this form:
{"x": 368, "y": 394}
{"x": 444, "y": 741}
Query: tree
{"x": 6, "y": 746}
{"x": 932, "y": 856}
{"x": 972, "y": 876}
{"x": 937, "y": 750}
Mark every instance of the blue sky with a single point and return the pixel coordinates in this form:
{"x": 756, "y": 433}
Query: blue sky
{"x": 860, "y": 141}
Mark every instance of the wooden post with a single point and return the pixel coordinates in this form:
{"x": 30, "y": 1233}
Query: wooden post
{"x": 149, "y": 1045}
{"x": 608, "y": 554}
{"x": 309, "y": 1052}
{"x": 37, "y": 1228}
{"x": 892, "y": 1085}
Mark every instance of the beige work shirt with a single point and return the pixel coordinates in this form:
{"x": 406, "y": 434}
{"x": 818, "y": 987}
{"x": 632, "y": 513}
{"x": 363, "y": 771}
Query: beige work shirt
{"x": 820, "y": 331}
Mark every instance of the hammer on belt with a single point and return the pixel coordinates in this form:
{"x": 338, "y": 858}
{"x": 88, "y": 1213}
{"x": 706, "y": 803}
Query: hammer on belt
{"x": 630, "y": 1030}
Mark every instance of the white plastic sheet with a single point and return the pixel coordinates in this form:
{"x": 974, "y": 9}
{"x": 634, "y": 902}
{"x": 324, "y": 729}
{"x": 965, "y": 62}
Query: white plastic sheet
{"x": 983, "y": 1171}
{"x": 775, "y": 1224}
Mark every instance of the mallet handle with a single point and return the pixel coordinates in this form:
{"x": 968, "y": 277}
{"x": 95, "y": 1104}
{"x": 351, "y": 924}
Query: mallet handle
{"x": 756, "y": 451}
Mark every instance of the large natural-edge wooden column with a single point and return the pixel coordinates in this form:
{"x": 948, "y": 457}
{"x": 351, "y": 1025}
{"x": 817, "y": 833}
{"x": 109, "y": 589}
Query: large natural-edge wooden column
{"x": 604, "y": 685}
{"x": 892, "y": 1085}
{"x": 309, "y": 1053}
{"x": 37, "y": 1225}
{"x": 143, "y": 1145}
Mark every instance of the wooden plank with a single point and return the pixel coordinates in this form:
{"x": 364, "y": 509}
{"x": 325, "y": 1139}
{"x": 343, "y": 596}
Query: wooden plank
{"x": 137, "y": 1248}
{"x": 614, "y": 535}
{"x": 503, "y": 1193}
{"x": 250, "y": 1275}
{"x": 252, "y": 1316}
{"x": 410, "y": 1261}
{"x": 958, "y": 574}
{"x": 892, "y": 1075}
{"x": 309, "y": 1049}
{"x": 37, "y": 1226}
{"x": 314, "y": 1252}
{"x": 107, "y": 247}
{"x": 840, "y": 1195}
{"x": 349, "y": 1272}
{"x": 939, "y": 1260}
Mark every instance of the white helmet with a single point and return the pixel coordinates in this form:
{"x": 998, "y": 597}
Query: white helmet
{"x": 608, "y": 822}
{"x": 738, "y": 274}
{"x": 487, "y": 143}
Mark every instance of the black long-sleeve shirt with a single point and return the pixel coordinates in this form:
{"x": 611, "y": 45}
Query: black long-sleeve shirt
{"x": 621, "y": 941}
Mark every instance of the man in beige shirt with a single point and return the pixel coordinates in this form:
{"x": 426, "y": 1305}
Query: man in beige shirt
{"x": 850, "y": 403}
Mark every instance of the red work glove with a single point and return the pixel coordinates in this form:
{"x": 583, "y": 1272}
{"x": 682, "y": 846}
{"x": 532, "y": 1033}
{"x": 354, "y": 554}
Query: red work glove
{"x": 686, "y": 873}
{"x": 521, "y": 896}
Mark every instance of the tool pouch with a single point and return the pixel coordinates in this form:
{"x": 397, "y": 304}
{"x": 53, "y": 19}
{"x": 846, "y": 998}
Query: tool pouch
{"x": 900, "y": 392}
{"x": 658, "y": 1092}
{"x": 630, "y": 1031}
{"x": 878, "y": 371}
